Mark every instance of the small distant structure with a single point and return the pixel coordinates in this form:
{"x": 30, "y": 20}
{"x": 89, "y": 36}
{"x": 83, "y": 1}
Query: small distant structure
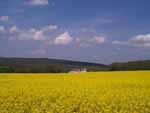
{"x": 78, "y": 70}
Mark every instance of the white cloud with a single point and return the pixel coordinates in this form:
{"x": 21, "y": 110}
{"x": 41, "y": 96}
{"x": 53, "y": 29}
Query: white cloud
{"x": 40, "y": 51}
{"x": 95, "y": 40}
{"x": 4, "y": 18}
{"x": 39, "y": 2}
{"x": 32, "y": 33}
{"x": 63, "y": 39}
{"x": 78, "y": 40}
{"x": 2, "y": 29}
{"x": 49, "y": 35}
{"x": 13, "y": 30}
{"x": 142, "y": 40}
{"x": 50, "y": 28}
{"x": 38, "y": 35}
{"x": 117, "y": 42}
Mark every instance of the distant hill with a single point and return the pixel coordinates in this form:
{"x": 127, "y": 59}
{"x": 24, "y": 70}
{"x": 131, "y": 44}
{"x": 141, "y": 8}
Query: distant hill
{"x": 131, "y": 65}
{"x": 45, "y": 65}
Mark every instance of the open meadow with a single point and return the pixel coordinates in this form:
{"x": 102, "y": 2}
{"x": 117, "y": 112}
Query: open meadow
{"x": 101, "y": 92}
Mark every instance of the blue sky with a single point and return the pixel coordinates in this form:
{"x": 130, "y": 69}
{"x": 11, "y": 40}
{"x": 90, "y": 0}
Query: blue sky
{"x": 101, "y": 31}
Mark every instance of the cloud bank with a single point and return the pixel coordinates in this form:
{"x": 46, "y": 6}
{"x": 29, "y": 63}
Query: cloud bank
{"x": 38, "y": 2}
{"x": 45, "y": 35}
{"x": 141, "y": 40}
{"x": 95, "y": 40}
{"x": 32, "y": 33}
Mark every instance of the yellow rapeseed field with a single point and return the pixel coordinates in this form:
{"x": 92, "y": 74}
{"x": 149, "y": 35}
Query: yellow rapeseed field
{"x": 102, "y": 92}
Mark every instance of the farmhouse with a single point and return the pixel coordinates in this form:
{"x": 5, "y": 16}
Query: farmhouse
{"x": 78, "y": 70}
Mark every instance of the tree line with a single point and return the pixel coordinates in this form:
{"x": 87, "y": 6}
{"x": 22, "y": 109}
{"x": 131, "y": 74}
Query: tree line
{"x": 132, "y": 65}
{"x": 31, "y": 65}
{"x": 28, "y": 65}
